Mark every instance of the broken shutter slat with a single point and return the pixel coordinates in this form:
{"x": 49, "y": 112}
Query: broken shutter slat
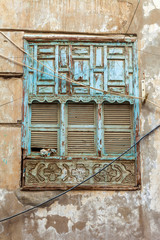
{"x": 44, "y": 139}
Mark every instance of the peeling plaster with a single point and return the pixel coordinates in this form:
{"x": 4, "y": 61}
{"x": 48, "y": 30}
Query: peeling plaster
{"x": 1, "y": 228}
{"x": 147, "y": 8}
{"x": 3, "y": 194}
{"x": 150, "y": 34}
{"x": 155, "y": 177}
{"x": 157, "y": 3}
{"x": 42, "y": 226}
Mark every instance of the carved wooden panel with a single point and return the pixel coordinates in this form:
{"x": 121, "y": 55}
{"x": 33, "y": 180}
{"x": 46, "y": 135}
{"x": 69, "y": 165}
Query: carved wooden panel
{"x": 100, "y": 65}
{"x": 63, "y": 174}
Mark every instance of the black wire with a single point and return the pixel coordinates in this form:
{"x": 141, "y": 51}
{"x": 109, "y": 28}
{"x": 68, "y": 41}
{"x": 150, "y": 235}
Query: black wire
{"x": 10, "y": 101}
{"x": 72, "y": 188}
{"x": 133, "y": 16}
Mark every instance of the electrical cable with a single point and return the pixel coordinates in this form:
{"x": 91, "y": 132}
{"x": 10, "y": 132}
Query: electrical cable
{"x": 10, "y": 101}
{"x": 81, "y": 84}
{"x": 69, "y": 79}
{"x": 139, "y": 50}
{"x": 72, "y": 188}
{"x": 133, "y": 16}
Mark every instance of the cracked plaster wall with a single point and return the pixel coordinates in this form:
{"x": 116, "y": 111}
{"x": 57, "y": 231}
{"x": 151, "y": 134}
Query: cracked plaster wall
{"x": 80, "y": 214}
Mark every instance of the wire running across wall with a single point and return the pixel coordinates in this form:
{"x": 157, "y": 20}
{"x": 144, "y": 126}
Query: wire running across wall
{"x": 80, "y": 84}
{"x": 74, "y": 187}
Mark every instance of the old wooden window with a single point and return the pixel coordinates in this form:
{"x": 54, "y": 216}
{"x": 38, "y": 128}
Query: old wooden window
{"x": 71, "y": 131}
{"x": 44, "y": 127}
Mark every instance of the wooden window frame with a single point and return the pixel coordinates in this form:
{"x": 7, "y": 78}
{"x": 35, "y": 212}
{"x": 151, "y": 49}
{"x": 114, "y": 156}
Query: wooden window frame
{"x": 81, "y": 164}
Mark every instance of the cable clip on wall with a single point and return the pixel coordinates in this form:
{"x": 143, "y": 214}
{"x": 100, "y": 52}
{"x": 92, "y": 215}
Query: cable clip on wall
{"x": 144, "y": 94}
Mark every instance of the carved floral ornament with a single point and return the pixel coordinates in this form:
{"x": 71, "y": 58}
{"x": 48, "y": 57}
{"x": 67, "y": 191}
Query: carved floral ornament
{"x": 48, "y": 172}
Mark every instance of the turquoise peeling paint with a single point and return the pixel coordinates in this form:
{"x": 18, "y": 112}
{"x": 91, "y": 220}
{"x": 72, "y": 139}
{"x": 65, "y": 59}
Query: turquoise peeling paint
{"x": 106, "y": 66}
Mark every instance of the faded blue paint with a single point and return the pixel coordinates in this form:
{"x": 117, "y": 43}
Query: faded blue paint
{"x": 99, "y": 57}
{"x": 100, "y": 130}
{"x": 56, "y": 70}
{"x": 63, "y": 58}
{"x": 136, "y": 94}
{"x": 45, "y": 89}
{"x": 105, "y": 69}
{"x": 91, "y": 70}
{"x": 62, "y": 130}
{"x": 116, "y": 72}
{"x": 63, "y": 84}
{"x": 106, "y": 66}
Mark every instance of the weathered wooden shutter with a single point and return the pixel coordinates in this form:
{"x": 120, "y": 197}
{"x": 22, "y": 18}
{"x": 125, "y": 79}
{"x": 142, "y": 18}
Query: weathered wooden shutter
{"x": 44, "y": 114}
{"x": 44, "y": 120}
{"x": 81, "y": 133}
{"x": 43, "y": 139}
{"x": 118, "y": 114}
{"x": 117, "y": 128}
{"x": 81, "y": 142}
{"x": 80, "y": 114}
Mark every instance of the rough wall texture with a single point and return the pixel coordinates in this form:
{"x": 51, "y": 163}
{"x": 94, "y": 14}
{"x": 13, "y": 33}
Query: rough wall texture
{"x": 80, "y": 214}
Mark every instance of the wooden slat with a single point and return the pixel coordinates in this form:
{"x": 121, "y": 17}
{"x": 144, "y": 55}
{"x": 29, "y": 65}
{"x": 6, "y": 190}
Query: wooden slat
{"x": 45, "y": 113}
{"x": 81, "y": 142}
{"x": 116, "y": 142}
{"x": 118, "y": 114}
{"x": 44, "y": 139}
{"x": 80, "y": 114}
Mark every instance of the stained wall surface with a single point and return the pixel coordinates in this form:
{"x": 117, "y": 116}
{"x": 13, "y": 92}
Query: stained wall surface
{"x": 79, "y": 214}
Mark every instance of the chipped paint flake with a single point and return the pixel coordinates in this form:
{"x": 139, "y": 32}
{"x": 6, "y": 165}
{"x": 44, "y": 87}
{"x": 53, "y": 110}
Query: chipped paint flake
{"x": 155, "y": 177}
{"x": 147, "y": 8}
{"x": 150, "y": 34}
{"x": 156, "y": 3}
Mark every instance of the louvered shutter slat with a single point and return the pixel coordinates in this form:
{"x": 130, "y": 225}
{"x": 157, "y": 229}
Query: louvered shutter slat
{"x": 44, "y": 139}
{"x": 80, "y": 142}
{"x": 117, "y": 114}
{"x": 44, "y": 113}
{"x": 117, "y": 142}
{"x": 80, "y": 114}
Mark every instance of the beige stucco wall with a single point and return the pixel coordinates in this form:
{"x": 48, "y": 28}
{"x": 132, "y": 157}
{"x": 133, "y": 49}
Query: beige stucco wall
{"x": 80, "y": 214}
